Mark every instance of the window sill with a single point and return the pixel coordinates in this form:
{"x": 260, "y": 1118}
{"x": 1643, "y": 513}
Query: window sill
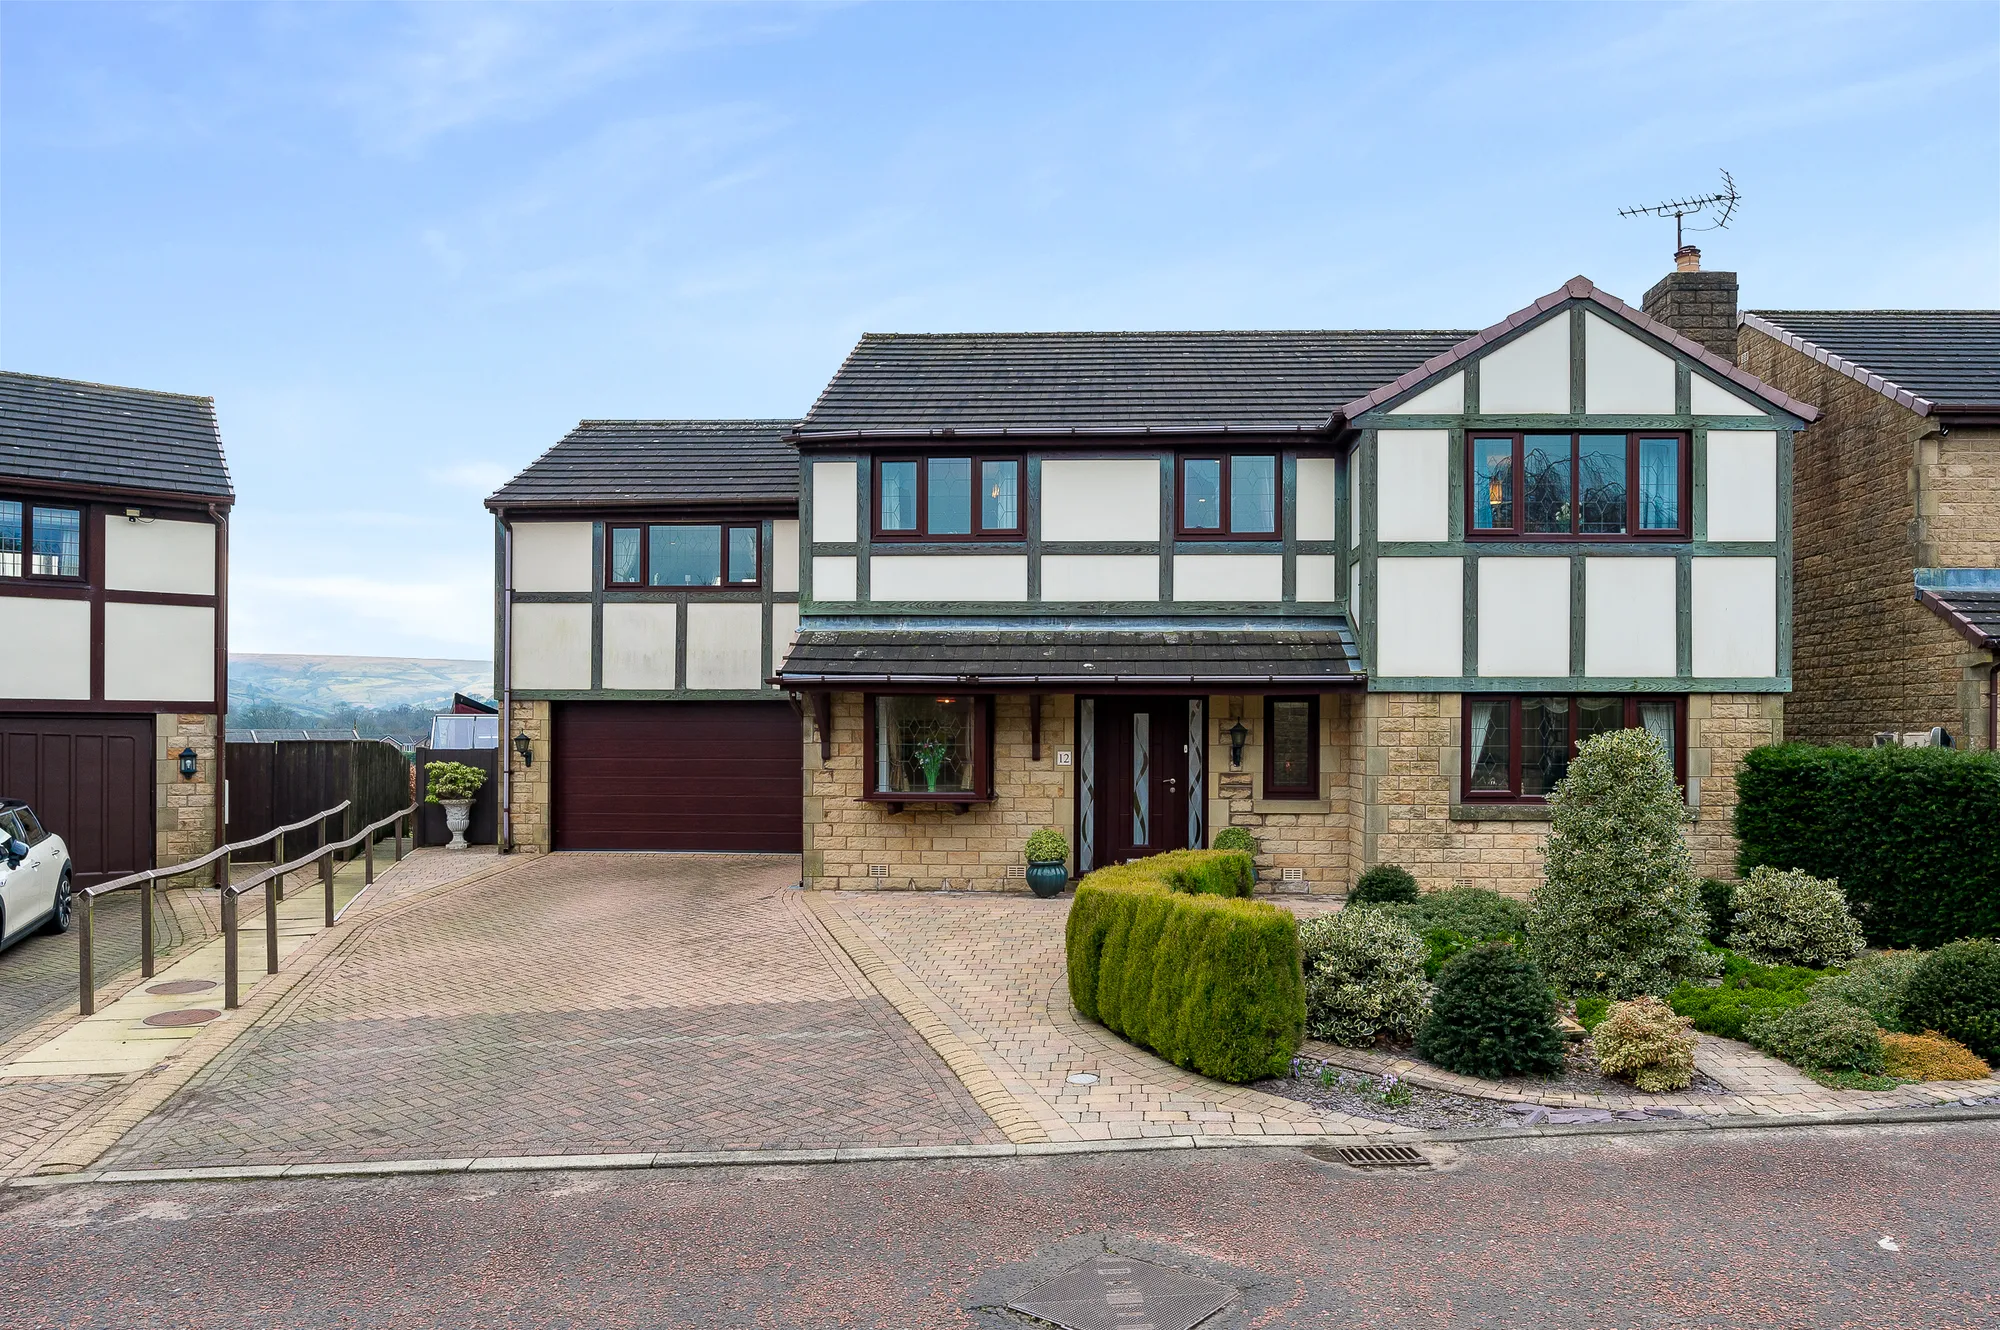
{"x": 1291, "y": 806}
{"x": 898, "y": 803}
{"x": 1499, "y": 812}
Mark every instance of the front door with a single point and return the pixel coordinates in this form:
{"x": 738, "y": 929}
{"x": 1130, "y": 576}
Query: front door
{"x": 1141, "y": 778}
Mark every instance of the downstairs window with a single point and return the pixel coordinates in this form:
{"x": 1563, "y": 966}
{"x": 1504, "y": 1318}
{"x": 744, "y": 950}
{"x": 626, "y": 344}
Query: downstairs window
{"x": 1515, "y": 749}
{"x": 924, "y": 749}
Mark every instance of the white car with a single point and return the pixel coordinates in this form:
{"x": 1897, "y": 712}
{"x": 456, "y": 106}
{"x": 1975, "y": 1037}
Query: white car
{"x": 34, "y": 875}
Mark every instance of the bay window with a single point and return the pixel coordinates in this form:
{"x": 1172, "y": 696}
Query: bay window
{"x": 1577, "y": 485}
{"x": 924, "y": 749}
{"x": 1228, "y": 496}
{"x": 948, "y": 498}
{"x": 1515, "y": 749}
{"x": 682, "y": 554}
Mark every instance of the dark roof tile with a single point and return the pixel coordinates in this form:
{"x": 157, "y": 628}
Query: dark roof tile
{"x": 848, "y": 657}
{"x": 616, "y": 463}
{"x": 93, "y": 435}
{"x": 1927, "y": 359}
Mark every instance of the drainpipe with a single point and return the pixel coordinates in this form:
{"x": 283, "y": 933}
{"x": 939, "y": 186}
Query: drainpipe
{"x": 506, "y": 686}
{"x": 220, "y": 515}
{"x": 1993, "y": 706}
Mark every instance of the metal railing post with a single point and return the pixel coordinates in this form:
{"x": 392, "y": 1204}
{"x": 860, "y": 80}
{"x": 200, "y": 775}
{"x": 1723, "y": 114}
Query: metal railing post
{"x": 146, "y": 928}
{"x": 271, "y": 922}
{"x": 399, "y": 838}
{"x": 368, "y": 859}
{"x": 86, "y": 982}
{"x": 326, "y": 881}
{"x": 228, "y": 943}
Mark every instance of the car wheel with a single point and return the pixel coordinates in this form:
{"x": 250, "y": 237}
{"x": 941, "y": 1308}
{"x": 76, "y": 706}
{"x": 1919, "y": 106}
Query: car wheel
{"x": 59, "y": 916}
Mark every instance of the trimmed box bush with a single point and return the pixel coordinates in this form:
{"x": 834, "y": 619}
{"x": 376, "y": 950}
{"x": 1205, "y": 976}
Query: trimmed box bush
{"x": 1907, "y": 832}
{"x": 1956, "y": 991}
{"x": 1819, "y": 1036}
{"x": 1235, "y": 838}
{"x": 1931, "y": 1057}
{"x": 1789, "y": 917}
{"x": 1364, "y": 977}
{"x": 1381, "y": 884}
{"x": 1492, "y": 1015}
{"x": 1645, "y": 1041}
{"x": 1167, "y": 952}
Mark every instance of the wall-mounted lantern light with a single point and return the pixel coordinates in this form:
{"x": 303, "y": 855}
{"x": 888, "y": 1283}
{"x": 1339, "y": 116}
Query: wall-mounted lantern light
{"x": 526, "y": 748}
{"x": 187, "y": 763}
{"x": 1238, "y": 736}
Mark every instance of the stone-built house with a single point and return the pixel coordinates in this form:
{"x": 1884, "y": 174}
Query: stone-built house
{"x": 1896, "y": 518}
{"x": 1360, "y": 592}
{"x": 114, "y": 555}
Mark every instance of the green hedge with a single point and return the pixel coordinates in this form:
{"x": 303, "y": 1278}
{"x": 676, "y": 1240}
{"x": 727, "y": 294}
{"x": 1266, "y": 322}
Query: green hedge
{"x": 1907, "y": 832}
{"x": 1165, "y": 952}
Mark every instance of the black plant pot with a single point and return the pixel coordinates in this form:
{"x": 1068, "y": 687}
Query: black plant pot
{"x": 1048, "y": 878}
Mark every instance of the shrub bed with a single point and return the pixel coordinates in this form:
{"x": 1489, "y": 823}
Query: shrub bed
{"x": 1166, "y": 953}
{"x": 1747, "y": 989}
{"x": 1907, "y": 832}
{"x": 1819, "y": 1036}
{"x": 1364, "y": 977}
{"x": 1931, "y": 1057}
{"x": 1452, "y": 920}
{"x": 1493, "y": 1015}
{"x": 1956, "y": 991}
{"x": 1876, "y": 982}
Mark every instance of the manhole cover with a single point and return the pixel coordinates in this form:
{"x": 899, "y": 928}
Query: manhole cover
{"x": 1113, "y": 1293}
{"x": 185, "y": 1016}
{"x": 175, "y": 987}
{"x": 1375, "y": 1156}
{"x": 1082, "y": 1078}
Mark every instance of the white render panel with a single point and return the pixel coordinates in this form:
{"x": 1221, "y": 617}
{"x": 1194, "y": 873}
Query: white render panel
{"x": 160, "y": 652}
{"x": 1735, "y": 618}
{"x": 1706, "y": 398}
{"x": 1412, "y": 484}
{"x": 969, "y": 577}
{"x": 1630, "y": 624}
{"x": 833, "y": 503}
{"x": 1523, "y": 617}
{"x": 785, "y": 555}
{"x": 1319, "y": 498}
{"x": 58, "y": 666}
{"x": 784, "y": 633}
{"x": 1354, "y": 596}
{"x": 1229, "y": 577}
{"x": 1353, "y": 498}
{"x": 1107, "y": 577}
{"x": 158, "y": 555}
{"x": 1529, "y": 375}
{"x": 833, "y": 577}
{"x": 725, "y": 646}
{"x": 1622, "y": 376}
{"x": 1101, "y": 499}
{"x": 1742, "y": 484}
{"x": 1318, "y": 577}
{"x": 639, "y": 644}
{"x": 552, "y": 556}
{"x": 551, "y": 646}
{"x": 1443, "y": 398}
{"x": 1419, "y": 618}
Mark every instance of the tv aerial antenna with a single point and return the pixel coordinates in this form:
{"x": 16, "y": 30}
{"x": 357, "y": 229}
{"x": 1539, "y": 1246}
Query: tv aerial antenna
{"x": 1720, "y": 207}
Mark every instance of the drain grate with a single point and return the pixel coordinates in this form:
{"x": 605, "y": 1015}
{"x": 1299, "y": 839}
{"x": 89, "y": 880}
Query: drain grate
{"x": 1113, "y": 1293}
{"x": 1381, "y": 1156}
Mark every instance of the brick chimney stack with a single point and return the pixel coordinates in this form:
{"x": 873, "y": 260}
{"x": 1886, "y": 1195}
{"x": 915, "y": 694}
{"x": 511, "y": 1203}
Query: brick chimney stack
{"x": 1698, "y": 305}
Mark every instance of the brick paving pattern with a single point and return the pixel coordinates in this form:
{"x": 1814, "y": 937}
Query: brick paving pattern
{"x": 31, "y": 1109}
{"x": 38, "y": 974}
{"x": 584, "y": 1004}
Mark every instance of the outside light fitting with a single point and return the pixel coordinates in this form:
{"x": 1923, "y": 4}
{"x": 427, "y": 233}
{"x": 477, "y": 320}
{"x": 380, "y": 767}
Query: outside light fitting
{"x": 526, "y": 748}
{"x": 188, "y": 760}
{"x": 1237, "y": 735}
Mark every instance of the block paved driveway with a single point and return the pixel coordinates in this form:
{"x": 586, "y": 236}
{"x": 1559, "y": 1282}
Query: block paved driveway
{"x": 583, "y": 1004}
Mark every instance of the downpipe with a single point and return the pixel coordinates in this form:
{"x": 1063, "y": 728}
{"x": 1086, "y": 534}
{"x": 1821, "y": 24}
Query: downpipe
{"x": 507, "y": 686}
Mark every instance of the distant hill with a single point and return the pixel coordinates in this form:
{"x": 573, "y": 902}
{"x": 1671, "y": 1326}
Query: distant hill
{"x": 333, "y": 687}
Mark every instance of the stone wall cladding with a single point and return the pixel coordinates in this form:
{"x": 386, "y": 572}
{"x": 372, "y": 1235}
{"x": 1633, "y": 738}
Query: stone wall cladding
{"x": 931, "y": 848}
{"x": 1877, "y": 493}
{"x": 532, "y": 819}
{"x": 1320, "y": 838}
{"x": 183, "y": 810}
{"x": 1700, "y": 306}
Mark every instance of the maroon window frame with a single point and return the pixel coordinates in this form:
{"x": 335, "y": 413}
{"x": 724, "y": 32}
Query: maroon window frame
{"x": 1226, "y": 532}
{"x": 922, "y": 532}
{"x": 645, "y": 582}
{"x": 1272, "y": 789}
{"x": 1632, "y": 532}
{"x": 85, "y": 515}
{"x": 982, "y": 758}
{"x": 1512, "y": 794}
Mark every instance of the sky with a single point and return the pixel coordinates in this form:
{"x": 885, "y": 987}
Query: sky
{"x": 406, "y": 248}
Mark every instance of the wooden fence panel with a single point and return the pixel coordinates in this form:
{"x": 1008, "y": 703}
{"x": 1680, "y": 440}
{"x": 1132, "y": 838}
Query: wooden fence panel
{"x": 485, "y": 829}
{"x": 271, "y": 784}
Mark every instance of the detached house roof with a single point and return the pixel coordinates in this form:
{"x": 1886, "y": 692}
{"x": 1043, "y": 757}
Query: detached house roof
{"x": 635, "y": 463}
{"x": 95, "y": 436}
{"x": 928, "y": 384}
{"x": 1930, "y": 360}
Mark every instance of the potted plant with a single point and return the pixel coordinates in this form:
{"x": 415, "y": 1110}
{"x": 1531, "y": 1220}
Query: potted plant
{"x": 453, "y": 784}
{"x": 1048, "y": 862}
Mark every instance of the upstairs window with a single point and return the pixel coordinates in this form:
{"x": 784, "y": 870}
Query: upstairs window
{"x": 39, "y": 541}
{"x": 948, "y": 498}
{"x": 682, "y": 555}
{"x": 1228, "y": 496}
{"x": 1577, "y": 486}
{"x": 1516, "y": 748}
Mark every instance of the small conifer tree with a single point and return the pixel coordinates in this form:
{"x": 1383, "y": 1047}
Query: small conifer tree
{"x": 1492, "y": 1016}
{"x": 1619, "y": 911}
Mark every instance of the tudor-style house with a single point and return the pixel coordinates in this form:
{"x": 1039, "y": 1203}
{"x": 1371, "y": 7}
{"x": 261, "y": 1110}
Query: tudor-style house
{"x": 647, "y": 580}
{"x": 1896, "y": 519}
{"x": 114, "y": 539}
{"x": 1361, "y": 593}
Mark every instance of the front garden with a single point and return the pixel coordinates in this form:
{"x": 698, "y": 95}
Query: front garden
{"x": 1599, "y": 983}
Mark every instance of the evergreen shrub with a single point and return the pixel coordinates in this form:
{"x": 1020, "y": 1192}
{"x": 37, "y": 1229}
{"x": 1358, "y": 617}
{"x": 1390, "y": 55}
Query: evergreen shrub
{"x": 1592, "y": 1010}
{"x": 1618, "y": 912}
{"x": 1166, "y": 953}
{"x": 1790, "y": 917}
{"x": 1717, "y": 896}
{"x": 1364, "y": 977}
{"x": 1930, "y": 1056}
{"x": 1645, "y": 1041}
{"x": 1046, "y": 845}
{"x": 451, "y": 780}
{"x": 1747, "y": 989}
{"x": 1382, "y": 884}
{"x": 1822, "y": 1035}
{"x": 1877, "y": 982}
{"x": 1907, "y": 832}
{"x": 1492, "y": 1015}
{"x": 1956, "y": 990}
{"x": 1235, "y": 838}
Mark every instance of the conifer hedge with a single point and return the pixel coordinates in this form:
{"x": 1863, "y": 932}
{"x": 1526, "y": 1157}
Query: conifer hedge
{"x": 1167, "y": 952}
{"x": 1909, "y": 833}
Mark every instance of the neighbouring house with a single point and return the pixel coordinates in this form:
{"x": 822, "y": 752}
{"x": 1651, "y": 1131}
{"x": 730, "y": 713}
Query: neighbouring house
{"x": 470, "y": 723}
{"x": 647, "y": 592}
{"x": 114, "y": 547}
{"x": 1896, "y": 519}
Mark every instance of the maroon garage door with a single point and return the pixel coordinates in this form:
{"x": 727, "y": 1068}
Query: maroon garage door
{"x": 90, "y": 780}
{"x": 678, "y": 776}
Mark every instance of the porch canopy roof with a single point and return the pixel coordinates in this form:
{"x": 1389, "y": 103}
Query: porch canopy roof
{"x": 1076, "y": 659}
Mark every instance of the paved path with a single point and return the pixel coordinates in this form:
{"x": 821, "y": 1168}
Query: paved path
{"x": 1712, "y": 1229}
{"x": 38, "y": 974}
{"x": 576, "y": 1004}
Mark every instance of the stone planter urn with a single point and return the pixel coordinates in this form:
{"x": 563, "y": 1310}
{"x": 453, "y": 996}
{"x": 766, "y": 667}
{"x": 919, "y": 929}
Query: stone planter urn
{"x": 1047, "y": 878}
{"x": 457, "y": 817}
